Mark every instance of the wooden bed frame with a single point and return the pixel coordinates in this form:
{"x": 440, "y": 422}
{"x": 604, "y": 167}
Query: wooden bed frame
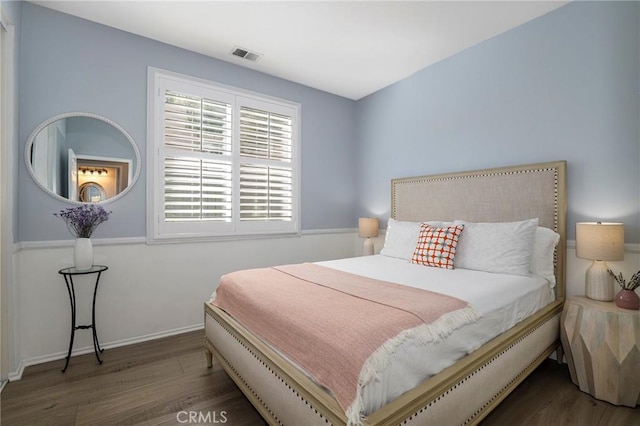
{"x": 285, "y": 396}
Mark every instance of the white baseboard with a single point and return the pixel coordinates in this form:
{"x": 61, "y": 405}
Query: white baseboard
{"x": 17, "y": 375}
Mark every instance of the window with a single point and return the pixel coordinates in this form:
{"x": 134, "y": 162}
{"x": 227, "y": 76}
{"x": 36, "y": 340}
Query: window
{"x": 222, "y": 161}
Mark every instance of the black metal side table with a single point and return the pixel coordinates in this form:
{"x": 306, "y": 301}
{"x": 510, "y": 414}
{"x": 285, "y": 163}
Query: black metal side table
{"x": 68, "y": 274}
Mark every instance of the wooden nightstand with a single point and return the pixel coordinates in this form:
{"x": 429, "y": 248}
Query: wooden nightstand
{"x": 602, "y": 343}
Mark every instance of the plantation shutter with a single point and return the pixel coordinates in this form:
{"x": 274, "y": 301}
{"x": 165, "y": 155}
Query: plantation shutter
{"x": 266, "y": 173}
{"x": 197, "y": 165}
{"x": 224, "y": 162}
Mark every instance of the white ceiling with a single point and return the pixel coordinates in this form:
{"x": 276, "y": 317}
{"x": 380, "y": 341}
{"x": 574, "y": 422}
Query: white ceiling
{"x": 348, "y": 48}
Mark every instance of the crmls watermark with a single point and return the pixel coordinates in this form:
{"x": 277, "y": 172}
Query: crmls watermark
{"x": 199, "y": 417}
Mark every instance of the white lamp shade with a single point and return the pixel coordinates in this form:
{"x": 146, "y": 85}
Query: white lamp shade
{"x": 600, "y": 240}
{"x": 368, "y": 227}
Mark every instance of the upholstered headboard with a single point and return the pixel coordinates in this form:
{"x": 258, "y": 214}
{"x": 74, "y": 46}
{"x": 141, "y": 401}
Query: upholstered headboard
{"x": 491, "y": 195}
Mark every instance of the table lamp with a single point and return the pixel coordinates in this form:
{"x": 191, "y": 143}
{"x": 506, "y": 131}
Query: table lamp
{"x": 367, "y": 228}
{"x": 599, "y": 241}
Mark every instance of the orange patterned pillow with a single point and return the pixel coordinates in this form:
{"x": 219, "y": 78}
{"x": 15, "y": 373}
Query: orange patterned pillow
{"x": 437, "y": 246}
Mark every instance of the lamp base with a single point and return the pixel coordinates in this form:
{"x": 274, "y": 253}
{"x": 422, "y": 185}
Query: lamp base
{"x": 599, "y": 284}
{"x": 367, "y": 250}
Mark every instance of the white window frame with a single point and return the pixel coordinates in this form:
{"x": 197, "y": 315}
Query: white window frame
{"x": 158, "y": 230}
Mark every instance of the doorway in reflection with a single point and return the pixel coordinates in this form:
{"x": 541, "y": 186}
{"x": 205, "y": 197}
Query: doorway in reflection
{"x": 95, "y": 179}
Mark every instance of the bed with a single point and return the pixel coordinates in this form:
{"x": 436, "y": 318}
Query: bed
{"x": 285, "y": 394}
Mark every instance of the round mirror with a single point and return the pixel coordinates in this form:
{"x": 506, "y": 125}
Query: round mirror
{"x": 82, "y": 158}
{"x": 91, "y": 192}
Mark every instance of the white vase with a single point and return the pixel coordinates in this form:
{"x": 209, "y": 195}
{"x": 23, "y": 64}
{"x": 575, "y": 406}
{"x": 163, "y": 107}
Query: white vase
{"x": 83, "y": 254}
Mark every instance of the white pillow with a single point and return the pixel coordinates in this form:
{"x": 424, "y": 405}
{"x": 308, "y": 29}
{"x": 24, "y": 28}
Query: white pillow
{"x": 503, "y": 247}
{"x": 544, "y": 246}
{"x": 401, "y": 237}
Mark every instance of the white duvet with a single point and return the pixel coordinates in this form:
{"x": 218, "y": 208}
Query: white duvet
{"x": 501, "y": 301}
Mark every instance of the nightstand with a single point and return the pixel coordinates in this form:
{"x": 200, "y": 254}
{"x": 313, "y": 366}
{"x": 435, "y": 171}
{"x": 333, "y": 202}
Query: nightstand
{"x": 602, "y": 343}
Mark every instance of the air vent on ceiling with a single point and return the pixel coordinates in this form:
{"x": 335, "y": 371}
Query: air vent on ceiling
{"x": 245, "y": 54}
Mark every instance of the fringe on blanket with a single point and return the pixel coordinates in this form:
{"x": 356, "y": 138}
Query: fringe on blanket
{"x": 423, "y": 334}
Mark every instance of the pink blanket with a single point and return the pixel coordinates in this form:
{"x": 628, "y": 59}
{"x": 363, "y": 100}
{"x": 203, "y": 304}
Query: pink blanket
{"x": 340, "y": 328}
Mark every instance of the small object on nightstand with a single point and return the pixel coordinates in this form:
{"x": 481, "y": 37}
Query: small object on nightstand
{"x": 599, "y": 241}
{"x": 368, "y": 228}
{"x": 627, "y": 298}
{"x": 602, "y": 343}
{"x": 68, "y": 274}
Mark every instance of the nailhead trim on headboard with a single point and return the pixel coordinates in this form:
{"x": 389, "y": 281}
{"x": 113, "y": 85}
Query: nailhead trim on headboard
{"x": 426, "y": 179}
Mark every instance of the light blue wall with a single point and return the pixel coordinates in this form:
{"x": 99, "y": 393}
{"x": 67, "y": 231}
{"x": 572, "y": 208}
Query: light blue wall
{"x": 13, "y": 12}
{"x": 70, "y": 64}
{"x": 89, "y": 136}
{"x": 562, "y": 87}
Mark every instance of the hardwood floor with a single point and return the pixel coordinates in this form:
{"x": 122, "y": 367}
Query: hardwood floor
{"x": 166, "y": 382}
{"x": 548, "y": 397}
{"x": 144, "y": 384}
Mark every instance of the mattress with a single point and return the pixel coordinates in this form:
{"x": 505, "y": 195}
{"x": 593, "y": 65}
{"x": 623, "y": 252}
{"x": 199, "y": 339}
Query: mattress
{"x": 500, "y": 300}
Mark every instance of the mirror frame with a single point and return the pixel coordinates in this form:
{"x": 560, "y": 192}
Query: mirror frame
{"x": 32, "y": 137}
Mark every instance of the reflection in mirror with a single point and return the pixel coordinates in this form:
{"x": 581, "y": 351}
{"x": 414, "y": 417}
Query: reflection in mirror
{"x": 91, "y": 192}
{"x": 81, "y": 157}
